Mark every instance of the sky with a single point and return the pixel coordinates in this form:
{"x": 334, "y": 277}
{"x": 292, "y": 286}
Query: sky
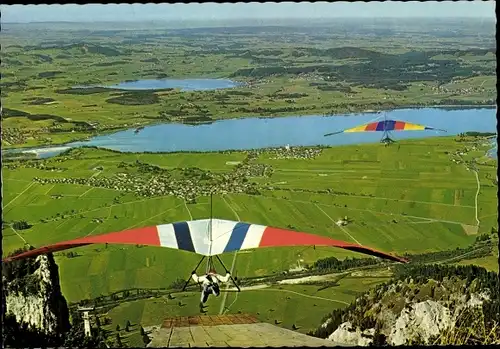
{"x": 214, "y": 11}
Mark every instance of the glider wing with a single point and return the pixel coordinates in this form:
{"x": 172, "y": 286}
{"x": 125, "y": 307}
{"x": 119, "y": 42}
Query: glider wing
{"x": 208, "y": 237}
{"x": 387, "y": 125}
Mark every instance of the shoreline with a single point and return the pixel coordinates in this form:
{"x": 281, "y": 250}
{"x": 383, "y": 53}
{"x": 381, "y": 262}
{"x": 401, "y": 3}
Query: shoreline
{"x": 39, "y": 151}
{"x": 9, "y": 148}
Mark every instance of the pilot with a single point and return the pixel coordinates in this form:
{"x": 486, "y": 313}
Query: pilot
{"x": 210, "y": 283}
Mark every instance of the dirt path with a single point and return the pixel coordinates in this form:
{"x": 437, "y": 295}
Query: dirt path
{"x": 268, "y": 289}
{"x": 113, "y": 205}
{"x": 460, "y": 256}
{"x": 85, "y": 193}
{"x": 364, "y": 210}
{"x": 18, "y": 195}
{"x": 343, "y": 229}
{"x": 186, "y": 206}
{"x": 477, "y": 194}
{"x": 15, "y": 231}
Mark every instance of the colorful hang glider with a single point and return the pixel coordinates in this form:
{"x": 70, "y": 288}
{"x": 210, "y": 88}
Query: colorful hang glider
{"x": 387, "y": 126}
{"x": 223, "y": 236}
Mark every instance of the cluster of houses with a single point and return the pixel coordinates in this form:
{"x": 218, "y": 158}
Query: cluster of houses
{"x": 187, "y": 188}
{"x": 288, "y": 152}
{"x": 15, "y": 135}
{"x": 462, "y": 91}
{"x": 191, "y": 184}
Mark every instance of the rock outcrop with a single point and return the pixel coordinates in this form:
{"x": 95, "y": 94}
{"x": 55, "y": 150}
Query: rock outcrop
{"x": 32, "y": 296}
{"x": 422, "y": 320}
{"x": 420, "y": 308}
{"x": 346, "y": 334}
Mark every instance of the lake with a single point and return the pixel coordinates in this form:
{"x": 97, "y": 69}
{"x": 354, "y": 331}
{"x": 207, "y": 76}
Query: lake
{"x": 254, "y": 132}
{"x": 183, "y": 84}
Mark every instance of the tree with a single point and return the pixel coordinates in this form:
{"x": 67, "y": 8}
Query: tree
{"x": 118, "y": 327}
{"x": 118, "y": 340}
{"x": 145, "y": 339}
{"x": 379, "y": 339}
{"x": 21, "y": 225}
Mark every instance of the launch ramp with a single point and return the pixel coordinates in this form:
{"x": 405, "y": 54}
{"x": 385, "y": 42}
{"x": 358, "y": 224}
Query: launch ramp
{"x": 234, "y": 330}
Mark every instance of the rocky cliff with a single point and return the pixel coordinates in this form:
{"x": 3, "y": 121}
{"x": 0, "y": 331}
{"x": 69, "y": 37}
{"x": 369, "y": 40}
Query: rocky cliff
{"x": 422, "y": 305}
{"x": 32, "y": 302}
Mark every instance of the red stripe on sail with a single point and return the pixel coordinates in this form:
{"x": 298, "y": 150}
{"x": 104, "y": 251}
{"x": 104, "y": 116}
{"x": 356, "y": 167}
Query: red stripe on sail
{"x": 139, "y": 236}
{"x": 399, "y": 125}
{"x": 275, "y": 237}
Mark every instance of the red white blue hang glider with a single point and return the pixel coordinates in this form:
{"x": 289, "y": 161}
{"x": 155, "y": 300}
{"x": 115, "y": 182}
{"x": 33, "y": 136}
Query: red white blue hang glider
{"x": 207, "y": 237}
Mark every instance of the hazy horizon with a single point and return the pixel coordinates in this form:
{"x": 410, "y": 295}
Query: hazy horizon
{"x": 72, "y": 13}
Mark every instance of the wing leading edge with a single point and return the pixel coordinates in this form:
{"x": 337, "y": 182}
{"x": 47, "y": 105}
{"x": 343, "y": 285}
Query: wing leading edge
{"x": 192, "y": 236}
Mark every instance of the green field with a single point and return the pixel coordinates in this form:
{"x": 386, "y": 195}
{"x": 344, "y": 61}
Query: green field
{"x": 413, "y": 210}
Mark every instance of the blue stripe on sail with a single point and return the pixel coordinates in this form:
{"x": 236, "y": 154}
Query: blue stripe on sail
{"x": 183, "y": 236}
{"x": 238, "y": 235}
{"x": 390, "y": 125}
{"x": 380, "y": 126}
{"x": 387, "y": 125}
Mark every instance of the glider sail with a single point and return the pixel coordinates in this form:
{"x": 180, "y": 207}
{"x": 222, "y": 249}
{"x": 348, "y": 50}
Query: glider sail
{"x": 387, "y": 126}
{"x": 225, "y": 236}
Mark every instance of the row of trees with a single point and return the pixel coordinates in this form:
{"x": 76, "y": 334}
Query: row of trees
{"x": 135, "y": 98}
{"x": 335, "y": 265}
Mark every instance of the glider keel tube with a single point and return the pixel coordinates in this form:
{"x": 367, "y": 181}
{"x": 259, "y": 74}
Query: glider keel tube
{"x": 192, "y": 236}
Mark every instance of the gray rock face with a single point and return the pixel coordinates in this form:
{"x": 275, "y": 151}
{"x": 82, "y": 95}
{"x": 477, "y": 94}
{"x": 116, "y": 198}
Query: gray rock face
{"x": 347, "y": 335}
{"x": 418, "y": 320}
{"x": 41, "y": 305}
{"x": 424, "y": 319}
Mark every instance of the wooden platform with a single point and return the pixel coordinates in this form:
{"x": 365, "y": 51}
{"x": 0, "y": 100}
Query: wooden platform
{"x": 209, "y": 320}
{"x": 234, "y": 330}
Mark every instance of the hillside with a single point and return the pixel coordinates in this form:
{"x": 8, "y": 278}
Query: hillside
{"x": 422, "y": 304}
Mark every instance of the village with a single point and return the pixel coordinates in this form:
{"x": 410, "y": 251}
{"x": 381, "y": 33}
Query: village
{"x": 186, "y": 183}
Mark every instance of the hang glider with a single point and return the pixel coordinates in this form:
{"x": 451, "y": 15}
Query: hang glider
{"x": 386, "y": 126}
{"x": 207, "y": 237}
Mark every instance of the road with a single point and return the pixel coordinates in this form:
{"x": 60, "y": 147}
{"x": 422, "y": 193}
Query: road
{"x": 340, "y": 226}
{"x": 477, "y": 194}
{"x": 18, "y": 195}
